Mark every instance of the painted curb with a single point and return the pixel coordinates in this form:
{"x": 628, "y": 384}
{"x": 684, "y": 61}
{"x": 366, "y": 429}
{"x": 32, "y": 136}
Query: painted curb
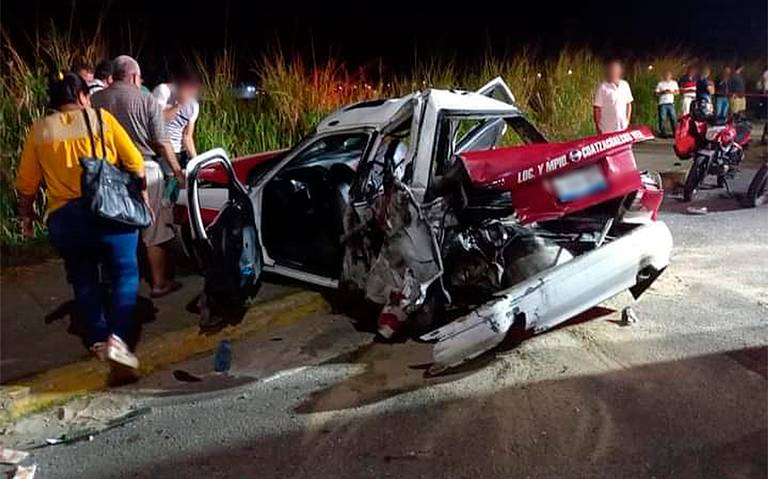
{"x": 63, "y": 383}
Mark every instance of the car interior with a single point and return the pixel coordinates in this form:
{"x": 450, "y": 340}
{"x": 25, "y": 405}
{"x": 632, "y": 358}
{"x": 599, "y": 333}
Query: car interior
{"x": 303, "y": 204}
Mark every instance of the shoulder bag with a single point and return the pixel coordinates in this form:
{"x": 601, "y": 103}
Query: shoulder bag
{"x": 108, "y": 191}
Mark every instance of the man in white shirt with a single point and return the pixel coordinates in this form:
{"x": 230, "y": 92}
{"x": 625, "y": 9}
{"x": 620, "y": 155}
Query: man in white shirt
{"x": 612, "y": 105}
{"x": 666, "y": 90}
{"x": 178, "y": 100}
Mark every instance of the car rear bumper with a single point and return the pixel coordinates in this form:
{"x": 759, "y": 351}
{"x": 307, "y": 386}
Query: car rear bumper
{"x": 555, "y": 295}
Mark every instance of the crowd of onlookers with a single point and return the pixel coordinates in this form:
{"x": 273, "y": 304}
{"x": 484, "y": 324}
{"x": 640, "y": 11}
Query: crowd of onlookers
{"x": 725, "y": 95}
{"x": 148, "y": 134}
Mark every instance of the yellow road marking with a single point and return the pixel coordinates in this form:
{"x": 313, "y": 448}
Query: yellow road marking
{"x": 63, "y": 383}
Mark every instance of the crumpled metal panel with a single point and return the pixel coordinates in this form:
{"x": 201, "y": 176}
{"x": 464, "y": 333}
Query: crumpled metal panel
{"x": 409, "y": 259}
{"x": 553, "y": 296}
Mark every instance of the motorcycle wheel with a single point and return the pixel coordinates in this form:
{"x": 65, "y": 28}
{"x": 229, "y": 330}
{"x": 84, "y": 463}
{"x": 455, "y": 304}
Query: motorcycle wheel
{"x": 757, "y": 193}
{"x": 696, "y": 175}
{"x": 720, "y": 181}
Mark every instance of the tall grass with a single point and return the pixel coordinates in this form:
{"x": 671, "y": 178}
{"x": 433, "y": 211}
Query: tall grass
{"x": 555, "y": 92}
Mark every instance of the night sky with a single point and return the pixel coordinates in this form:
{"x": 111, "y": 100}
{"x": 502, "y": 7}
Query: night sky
{"x": 395, "y": 32}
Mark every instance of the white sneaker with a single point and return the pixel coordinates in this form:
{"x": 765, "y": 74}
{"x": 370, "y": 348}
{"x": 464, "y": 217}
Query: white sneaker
{"x": 118, "y": 352}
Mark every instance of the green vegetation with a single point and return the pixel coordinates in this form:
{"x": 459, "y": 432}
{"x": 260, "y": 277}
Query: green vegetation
{"x": 556, "y": 93}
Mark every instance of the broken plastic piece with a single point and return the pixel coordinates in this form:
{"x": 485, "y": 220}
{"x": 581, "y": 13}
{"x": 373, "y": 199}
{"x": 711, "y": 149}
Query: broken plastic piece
{"x": 89, "y": 433}
{"x": 185, "y": 377}
{"x": 628, "y": 316}
{"x": 25, "y": 472}
{"x": 12, "y": 456}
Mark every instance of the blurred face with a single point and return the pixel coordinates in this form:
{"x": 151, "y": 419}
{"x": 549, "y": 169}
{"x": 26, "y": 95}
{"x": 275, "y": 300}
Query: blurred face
{"x": 86, "y": 75}
{"x": 187, "y": 91}
{"x": 668, "y": 76}
{"x": 613, "y": 72}
{"x": 726, "y": 71}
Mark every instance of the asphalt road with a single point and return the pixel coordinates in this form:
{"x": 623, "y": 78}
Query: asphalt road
{"x": 681, "y": 393}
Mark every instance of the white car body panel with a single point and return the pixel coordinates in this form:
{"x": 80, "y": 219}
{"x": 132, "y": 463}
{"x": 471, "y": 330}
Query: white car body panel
{"x": 555, "y": 295}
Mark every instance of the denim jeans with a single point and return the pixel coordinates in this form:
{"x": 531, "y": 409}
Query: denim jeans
{"x": 667, "y": 110}
{"x": 721, "y": 107}
{"x": 85, "y": 242}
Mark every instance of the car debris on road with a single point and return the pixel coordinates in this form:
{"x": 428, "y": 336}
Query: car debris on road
{"x": 11, "y": 456}
{"x": 447, "y": 198}
{"x": 25, "y": 472}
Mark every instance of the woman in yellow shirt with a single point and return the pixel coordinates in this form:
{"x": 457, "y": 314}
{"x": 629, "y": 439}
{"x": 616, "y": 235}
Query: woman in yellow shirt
{"x": 51, "y": 156}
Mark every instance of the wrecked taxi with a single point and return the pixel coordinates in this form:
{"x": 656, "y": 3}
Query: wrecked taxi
{"x": 442, "y": 201}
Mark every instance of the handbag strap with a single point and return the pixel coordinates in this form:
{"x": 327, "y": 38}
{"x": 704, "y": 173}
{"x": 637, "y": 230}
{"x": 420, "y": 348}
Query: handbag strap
{"x": 101, "y": 132}
{"x": 90, "y": 132}
{"x": 87, "y": 118}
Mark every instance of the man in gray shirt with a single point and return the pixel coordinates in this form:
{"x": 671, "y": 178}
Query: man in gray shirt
{"x": 142, "y": 118}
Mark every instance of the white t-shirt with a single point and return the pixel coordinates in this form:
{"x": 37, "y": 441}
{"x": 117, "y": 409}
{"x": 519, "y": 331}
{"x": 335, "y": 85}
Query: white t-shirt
{"x": 664, "y": 85}
{"x": 96, "y": 85}
{"x": 165, "y": 93}
{"x": 613, "y": 100}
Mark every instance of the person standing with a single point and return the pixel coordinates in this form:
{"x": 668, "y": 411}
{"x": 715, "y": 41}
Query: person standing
{"x": 50, "y": 156}
{"x": 704, "y": 86}
{"x": 764, "y": 137}
{"x": 612, "y": 104}
{"x": 102, "y": 77}
{"x": 722, "y": 93}
{"x": 666, "y": 90}
{"x": 84, "y": 71}
{"x": 738, "y": 90}
{"x": 178, "y": 101}
{"x": 687, "y": 84}
{"x": 141, "y": 117}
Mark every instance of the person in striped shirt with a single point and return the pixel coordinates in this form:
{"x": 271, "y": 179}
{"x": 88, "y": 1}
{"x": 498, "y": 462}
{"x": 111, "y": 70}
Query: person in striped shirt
{"x": 178, "y": 100}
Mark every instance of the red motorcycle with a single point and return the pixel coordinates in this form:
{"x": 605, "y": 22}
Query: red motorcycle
{"x": 717, "y": 147}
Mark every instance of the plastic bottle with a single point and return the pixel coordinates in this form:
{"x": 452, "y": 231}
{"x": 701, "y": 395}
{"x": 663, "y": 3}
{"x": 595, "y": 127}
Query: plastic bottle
{"x": 223, "y": 359}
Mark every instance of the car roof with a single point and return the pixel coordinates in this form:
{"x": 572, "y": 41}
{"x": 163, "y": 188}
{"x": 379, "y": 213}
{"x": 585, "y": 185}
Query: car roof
{"x": 378, "y": 113}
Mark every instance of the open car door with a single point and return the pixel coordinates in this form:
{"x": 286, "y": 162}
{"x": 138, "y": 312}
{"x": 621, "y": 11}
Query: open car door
{"x": 227, "y": 251}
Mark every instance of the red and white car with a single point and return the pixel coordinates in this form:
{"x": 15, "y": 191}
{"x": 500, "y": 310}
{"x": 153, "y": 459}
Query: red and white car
{"x": 447, "y": 201}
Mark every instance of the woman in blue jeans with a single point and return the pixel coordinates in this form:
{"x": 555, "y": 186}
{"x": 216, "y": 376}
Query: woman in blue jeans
{"x": 51, "y": 156}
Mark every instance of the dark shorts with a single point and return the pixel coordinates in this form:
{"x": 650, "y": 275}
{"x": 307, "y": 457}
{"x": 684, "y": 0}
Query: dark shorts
{"x": 183, "y": 158}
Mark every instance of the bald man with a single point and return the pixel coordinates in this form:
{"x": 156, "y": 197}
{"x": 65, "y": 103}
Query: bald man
{"x": 142, "y": 118}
